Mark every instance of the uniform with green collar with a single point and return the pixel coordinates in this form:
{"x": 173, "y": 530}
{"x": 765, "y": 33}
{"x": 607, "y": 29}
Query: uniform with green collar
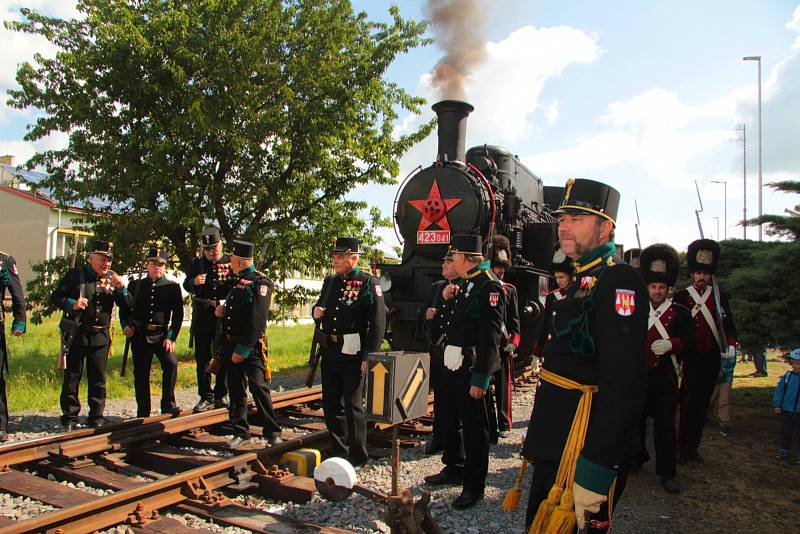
{"x": 476, "y": 326}
{"x": 244, "y": 325}
{"x": 9, "y": 279}
{"x": 597, "y": 335}
{"x": 154, "y": 310}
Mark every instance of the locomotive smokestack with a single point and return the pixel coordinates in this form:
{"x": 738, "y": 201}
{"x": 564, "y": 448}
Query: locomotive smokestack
{"x": 452, "y": 119}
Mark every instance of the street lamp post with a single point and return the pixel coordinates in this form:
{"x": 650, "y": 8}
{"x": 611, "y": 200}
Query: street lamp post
{"x": 725, "y": 185}
{"x": 717, "y": 219}
{"x": 758, "y": 59}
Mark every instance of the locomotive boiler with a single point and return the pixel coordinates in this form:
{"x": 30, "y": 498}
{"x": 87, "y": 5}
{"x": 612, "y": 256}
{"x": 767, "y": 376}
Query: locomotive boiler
{"x": 485, "y": 190}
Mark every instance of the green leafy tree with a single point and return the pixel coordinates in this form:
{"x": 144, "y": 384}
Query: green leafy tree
{"x": 255, "y": 115}
{"x": 785, "y": 226}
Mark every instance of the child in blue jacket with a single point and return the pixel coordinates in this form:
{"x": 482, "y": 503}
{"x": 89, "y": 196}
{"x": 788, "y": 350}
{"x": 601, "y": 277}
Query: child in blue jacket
{"x": 786, "y": 402}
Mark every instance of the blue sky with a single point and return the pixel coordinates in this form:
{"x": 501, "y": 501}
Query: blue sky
{"x": 642, "y": 95}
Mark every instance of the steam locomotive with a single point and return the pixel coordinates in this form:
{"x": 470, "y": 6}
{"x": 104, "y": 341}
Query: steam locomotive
{"x": 485, "y": 191}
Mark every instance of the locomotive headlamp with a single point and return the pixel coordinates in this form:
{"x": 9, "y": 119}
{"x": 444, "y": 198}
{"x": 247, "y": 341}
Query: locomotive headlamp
{"x": 385, "y": 281}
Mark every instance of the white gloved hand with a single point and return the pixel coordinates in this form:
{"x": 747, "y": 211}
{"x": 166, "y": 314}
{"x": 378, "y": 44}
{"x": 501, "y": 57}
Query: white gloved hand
{"x": 585, "y": 501}
{"x": 661, "y": 346}
{"x": 510, "y": 348}
{"x": 729, "y": 353}
{"x": 453, "y": 357}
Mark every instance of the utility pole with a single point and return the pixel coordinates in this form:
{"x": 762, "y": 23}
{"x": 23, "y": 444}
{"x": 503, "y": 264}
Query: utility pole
{"x": 743, "y": 129}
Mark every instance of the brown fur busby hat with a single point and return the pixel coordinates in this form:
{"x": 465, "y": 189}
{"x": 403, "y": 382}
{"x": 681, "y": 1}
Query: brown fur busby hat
{"x": 703, "y": 255}
{"x": 501, "y": 252}
{"x": 659, "y": 263}
{"x": 631, "y": 257}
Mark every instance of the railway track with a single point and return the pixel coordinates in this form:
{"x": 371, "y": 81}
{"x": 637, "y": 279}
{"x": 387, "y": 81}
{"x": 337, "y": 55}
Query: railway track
{"x": 182, "y": 464}
{"x": 178, "y": 463}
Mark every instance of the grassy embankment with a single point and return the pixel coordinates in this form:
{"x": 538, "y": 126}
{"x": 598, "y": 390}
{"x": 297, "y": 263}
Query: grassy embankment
{"x": 34, "y": 382}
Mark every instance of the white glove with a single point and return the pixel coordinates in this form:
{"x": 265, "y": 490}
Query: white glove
{"x": 661, "y": 346}
{"x": 730, "y": 353}
{"x": 453, "y": 357}
{"x": 510, "y": 348}
{"x": 585, "y": 501}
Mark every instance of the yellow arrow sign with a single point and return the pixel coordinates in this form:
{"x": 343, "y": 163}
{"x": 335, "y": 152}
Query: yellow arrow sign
{"x": 413, "y": 387}
{"x": 379, "y": 373}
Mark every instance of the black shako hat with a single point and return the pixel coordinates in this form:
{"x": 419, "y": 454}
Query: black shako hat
{"x": 471, "y": 245}
{"x": 582, "y": 196}
{"x": 100, "y": 246}
{"x": 242, "y": 249}
{"x": 703, "y": 255}
{"x": 209, "y": 237}
{"x": 346, "y": 245}
{"x": 561, "y": 263}
{"x": 659, "y": 263}
{"x": 632, "y": 257}
{"x": 501, "y": 252}
{"x": 157, "y": 253}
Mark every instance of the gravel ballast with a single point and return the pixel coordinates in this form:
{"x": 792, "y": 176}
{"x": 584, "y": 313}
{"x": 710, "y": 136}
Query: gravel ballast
{"x": 356, "y": 513}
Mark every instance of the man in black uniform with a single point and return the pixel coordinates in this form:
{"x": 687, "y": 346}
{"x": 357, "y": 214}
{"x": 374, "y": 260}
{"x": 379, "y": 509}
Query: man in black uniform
{"x": 438, "y": 314}
{"x": 88, "y": 294}
{"x": 152, "y": 320}
{"x": 670, "y": 333}
{"x": 244, "y": 324}
{"x": 500, "y": 421}
{"x": 353, "y": 318}
{"x": 702, "y": 361}
{"x": 207, "y": 281}
{"x": 471, "y": 357}
{"x": 9, "y": 279}
{"x": 561, "y": 267}
{"x": 595, "y": 367}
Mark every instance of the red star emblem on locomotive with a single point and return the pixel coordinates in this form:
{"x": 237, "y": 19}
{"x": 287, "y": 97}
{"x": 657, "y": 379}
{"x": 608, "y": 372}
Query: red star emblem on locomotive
{"x": 434, "y": 208}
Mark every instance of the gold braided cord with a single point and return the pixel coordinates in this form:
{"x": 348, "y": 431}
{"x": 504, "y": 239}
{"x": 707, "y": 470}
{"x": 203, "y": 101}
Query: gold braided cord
{"x": 561, "y": 492}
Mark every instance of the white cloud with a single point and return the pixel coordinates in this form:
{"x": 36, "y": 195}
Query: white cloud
{"x": 551, "y": 112}
{"x": 24, "y": 150}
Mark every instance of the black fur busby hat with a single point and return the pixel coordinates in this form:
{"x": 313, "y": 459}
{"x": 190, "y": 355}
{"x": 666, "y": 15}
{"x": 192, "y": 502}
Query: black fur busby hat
{"x": 703, "y": 255}
{"x": 582, "y": 196}
{"x": 209, "y": 237}
{"x": 659, "y": 263}
{"x": 471, "y": 245}
{"x": 346, "y": 245}
{"x": 243, "y": 249}
{"x": 103, "y": 247}
{"x": 632, "y": 257}
{"x": 501, "y": 252}
{"x": 157, "y": 253}
{"x": 561, "y": 263}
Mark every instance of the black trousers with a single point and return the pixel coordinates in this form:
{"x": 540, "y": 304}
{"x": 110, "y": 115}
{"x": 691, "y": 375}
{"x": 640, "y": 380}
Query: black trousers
{"x": 660, "y": 404}
{"x": 458, "y": 406}
{"x": 142, "y": 361}
{"x": 435, "y": 383}
{"x": 503, "y": 379}
{"x": 203, "y": 342}
{"x": 790, "y": 426}
{"x": 250, "y": 373}
{"x": 700, "y": 372}
{"x": 3, "y": 399}
{"x": 96, "y": 358}
{"x": 544, "y": 476}
{"x": 343, "y": 403}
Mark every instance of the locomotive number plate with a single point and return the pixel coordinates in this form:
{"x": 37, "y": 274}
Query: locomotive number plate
{"x": 433, "y": 237}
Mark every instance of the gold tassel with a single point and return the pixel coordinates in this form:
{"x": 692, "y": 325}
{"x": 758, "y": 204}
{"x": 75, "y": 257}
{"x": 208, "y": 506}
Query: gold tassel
{"x": 539, "y": 525}
{"x": 511, "y": 500}
{"x": 265, "y": 356}
{"x": 563, "y": 520}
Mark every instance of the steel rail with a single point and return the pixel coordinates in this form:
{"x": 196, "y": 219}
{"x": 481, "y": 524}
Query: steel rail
{"x": 40, "y": 448}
